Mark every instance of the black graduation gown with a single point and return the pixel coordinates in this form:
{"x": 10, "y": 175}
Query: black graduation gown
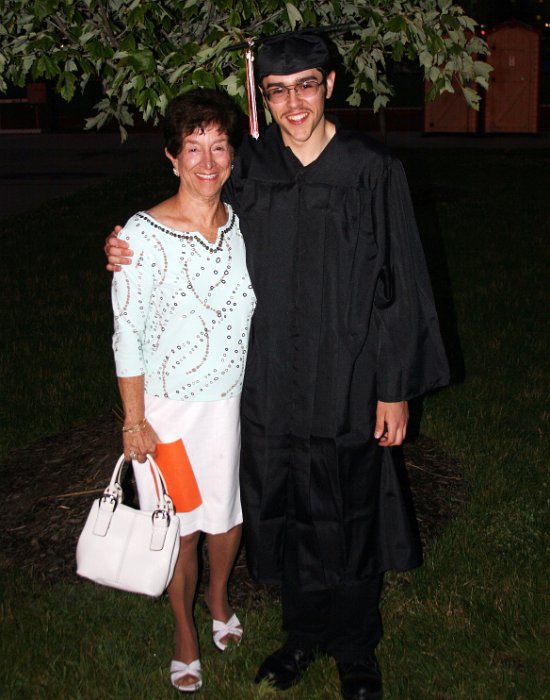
{"x": 344, "y": 317}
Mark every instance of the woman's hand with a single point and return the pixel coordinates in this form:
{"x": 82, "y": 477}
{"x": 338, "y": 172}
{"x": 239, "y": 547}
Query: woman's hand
{"x": 138, "y": 437}
{"x": 118, "y": 252}
{"x": 138, "y": 444}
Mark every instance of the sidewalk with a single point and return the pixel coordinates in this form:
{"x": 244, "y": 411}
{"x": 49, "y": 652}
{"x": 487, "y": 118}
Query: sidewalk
{"x": 37, "y": 167}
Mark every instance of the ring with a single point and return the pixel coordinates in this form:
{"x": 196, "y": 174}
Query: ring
{"x": 132, "y": 454}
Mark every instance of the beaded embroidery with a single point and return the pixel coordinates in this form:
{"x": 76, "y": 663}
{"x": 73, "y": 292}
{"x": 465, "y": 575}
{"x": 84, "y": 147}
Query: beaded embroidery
{"x": 188, "y": 236}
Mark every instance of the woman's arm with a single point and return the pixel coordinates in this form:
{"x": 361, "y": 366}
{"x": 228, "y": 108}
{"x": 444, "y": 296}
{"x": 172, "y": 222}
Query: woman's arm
{"x": 138, "y": 437}
{"x": 132, "y": 292}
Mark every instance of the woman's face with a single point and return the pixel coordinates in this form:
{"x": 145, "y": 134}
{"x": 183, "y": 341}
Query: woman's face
{"x": 204, "y": 162}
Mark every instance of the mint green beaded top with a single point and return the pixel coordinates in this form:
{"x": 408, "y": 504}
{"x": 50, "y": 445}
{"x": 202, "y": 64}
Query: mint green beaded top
{"x": 182, "y": 310}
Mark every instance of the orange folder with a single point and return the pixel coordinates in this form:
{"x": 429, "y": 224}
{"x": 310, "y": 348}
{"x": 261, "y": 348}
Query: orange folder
{"x": 177, "y": 471}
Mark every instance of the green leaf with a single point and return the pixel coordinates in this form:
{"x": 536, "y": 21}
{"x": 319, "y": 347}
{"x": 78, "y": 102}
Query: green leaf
{"x": 128, "y": 43}
{"x": 204, "y": 78}
{"x": 98, "y": 121}
{"x": 354, "y": 100}
{"x": 41, "y": 11}
{"x": 142, "y": 60}
{"x": 234, "y": 19}
{"x": 450, "y": 22}
{"x": 44, "y": 67}
{"x": 66, "y": 86}
{"x": 379, "y": 101}
{"x": 472, "y": 98}
{"x": 99, "y": 51}
{"x": 397, "y": 51}
{"x": 231, "y": 83}
{"x": 397, "y": 24}
{"x": 176, "y": 75}
{"x": 425, "y": 58}
{"x": 432, "y": 93}
{"x": 294, "y": 16}
{"x": 136, "y": 16}
{"x": 88, "y": 36}
{"x": 138, "y": 82}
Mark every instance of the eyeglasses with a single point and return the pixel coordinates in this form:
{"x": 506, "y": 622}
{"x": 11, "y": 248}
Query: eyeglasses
{"x": 306, "y": 88}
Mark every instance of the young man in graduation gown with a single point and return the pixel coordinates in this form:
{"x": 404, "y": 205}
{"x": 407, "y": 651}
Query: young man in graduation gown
{"x": 344, "y": 334}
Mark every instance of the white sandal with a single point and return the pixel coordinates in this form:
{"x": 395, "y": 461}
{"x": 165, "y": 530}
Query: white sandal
{"x": 222, "y": 629}
{"x": 179, "y": 670}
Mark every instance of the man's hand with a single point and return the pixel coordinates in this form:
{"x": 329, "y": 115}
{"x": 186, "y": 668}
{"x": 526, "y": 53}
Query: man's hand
{"x": 118, "y": 252}
{"x": 391, "y": 423}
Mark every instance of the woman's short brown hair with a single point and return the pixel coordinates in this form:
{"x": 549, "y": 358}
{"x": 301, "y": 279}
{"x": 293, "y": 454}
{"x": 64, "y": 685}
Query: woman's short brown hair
{"x": 199, "y": 109}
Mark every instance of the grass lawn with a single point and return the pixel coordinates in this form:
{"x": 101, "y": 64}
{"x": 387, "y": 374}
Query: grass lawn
{"x": 473, "y": 622}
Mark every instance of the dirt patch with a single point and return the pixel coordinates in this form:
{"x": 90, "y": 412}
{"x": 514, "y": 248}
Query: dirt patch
{"x": 50, "y": 484}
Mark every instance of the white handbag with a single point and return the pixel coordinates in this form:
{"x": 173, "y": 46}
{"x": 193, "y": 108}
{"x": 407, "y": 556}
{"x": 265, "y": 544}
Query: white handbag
{"x": 130, "y": 549}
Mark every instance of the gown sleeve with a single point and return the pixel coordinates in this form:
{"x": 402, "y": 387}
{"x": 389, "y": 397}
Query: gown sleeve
{"x": 232, "y": 188}
{"x": 410, "y": 354}
{"x": 229, "y": 196}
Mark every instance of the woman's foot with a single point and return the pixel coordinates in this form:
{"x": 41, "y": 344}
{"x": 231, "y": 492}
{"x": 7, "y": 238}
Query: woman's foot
{"x": 226, "y": 626}
{"x": 186, "y": 678}
{"x": 225, "y": 633}
{"x": 185, "y": 675}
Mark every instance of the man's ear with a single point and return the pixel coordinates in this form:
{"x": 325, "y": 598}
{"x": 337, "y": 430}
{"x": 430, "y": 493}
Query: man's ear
{"x": 268, "y": 117}
{"x": 330, "y": 80}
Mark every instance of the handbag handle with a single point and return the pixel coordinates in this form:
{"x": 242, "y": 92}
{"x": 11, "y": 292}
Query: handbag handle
{"x": 115, "y": 494}
{"x": 113, "y": 497}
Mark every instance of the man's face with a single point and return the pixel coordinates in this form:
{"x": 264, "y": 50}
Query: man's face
{"x": 299, "y": 115}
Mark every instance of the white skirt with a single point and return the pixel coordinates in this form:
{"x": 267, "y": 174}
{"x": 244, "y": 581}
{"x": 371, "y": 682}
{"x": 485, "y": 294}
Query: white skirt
{"x": 211, "y": 433}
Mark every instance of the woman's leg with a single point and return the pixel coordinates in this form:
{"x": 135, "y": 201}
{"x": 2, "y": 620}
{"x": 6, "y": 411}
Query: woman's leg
{"x": 222, "y": 551}
{"x": 181, "y": 593}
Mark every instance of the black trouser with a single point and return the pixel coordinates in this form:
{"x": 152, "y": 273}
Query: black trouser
{"x": 343, "y": 622}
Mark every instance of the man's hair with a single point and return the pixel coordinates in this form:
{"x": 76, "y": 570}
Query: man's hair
{"x": 199, "y": 109}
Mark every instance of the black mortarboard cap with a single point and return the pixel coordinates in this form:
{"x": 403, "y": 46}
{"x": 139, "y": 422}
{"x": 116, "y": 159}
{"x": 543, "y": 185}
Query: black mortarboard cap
{"x": 292, "y": 52}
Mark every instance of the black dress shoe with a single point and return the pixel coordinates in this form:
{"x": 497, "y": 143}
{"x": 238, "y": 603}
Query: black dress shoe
{"x": 284, "y": 667}
{"x": 360, "y": 680}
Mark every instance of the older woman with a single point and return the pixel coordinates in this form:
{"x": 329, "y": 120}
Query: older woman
{"x": 182, "y": 313}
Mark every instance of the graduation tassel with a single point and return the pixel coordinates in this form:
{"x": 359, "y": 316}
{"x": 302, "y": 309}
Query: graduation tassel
{"x": 251, "y": 91}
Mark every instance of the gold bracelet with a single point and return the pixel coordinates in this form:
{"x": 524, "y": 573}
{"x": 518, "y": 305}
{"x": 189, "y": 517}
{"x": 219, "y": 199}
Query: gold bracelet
{"x": 137, "y": 428}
